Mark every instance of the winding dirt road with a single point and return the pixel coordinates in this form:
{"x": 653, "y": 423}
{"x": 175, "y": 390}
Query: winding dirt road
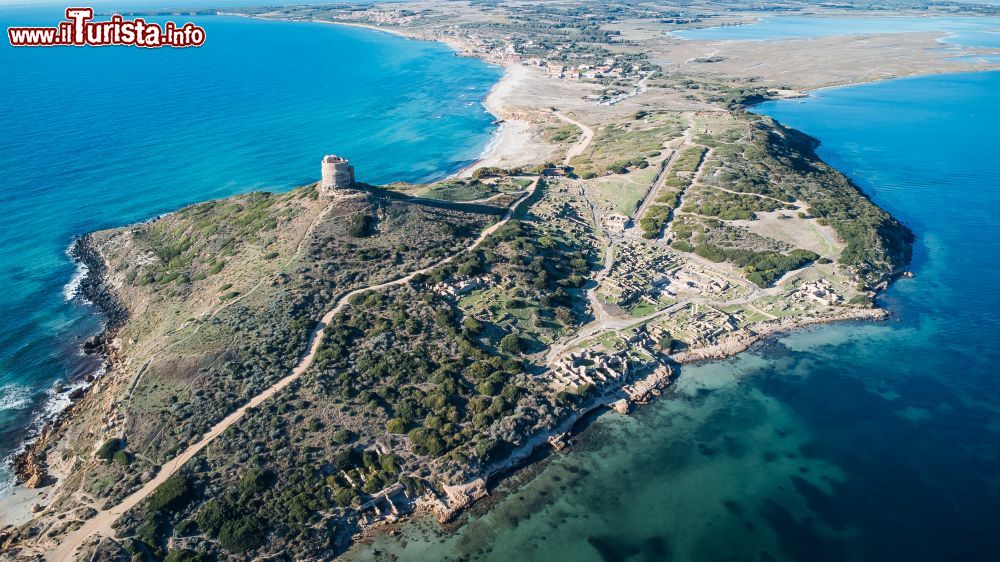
{"x": 101, "y": 523}
{"x": 582, "y": 144}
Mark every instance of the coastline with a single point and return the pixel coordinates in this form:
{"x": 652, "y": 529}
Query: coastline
{"x": 96, "y": 293}
{"x": 29, "y": 464}
{"x": 509, "y": 144}
{"x": 810, "y": 91}
{"x": 509, "y": 141}
{"x": 521, "y": 459}
{"x": 29, "y": 461}
{"x": 86, "y": 280}
{"x": 479, "y": 495}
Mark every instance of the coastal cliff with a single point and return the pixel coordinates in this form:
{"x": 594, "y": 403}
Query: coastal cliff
{"x": 30, "y": 465}
{"x": 492, "y": 347}
{"x": 287, "y": 371}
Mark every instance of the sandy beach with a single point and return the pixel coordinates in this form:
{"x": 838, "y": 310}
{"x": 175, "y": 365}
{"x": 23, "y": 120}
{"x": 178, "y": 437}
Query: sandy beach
{"x": 16, "y": 508}
{"x": 513, "y": 143}
{"x": 526, "y": 104}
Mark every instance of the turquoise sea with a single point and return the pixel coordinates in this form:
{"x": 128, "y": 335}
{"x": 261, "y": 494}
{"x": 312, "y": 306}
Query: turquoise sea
{"x": 99, "y": 137}
{"x": 865, "y": 441}
{"x": 862, "y": 441}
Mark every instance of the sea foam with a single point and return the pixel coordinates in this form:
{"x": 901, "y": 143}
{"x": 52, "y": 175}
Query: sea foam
{"x": 14, "y": 397}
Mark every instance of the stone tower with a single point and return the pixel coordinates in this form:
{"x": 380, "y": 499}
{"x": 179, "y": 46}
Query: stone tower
{"x": 337, "y": 174}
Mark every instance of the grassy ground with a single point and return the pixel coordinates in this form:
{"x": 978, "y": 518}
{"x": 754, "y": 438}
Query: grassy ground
{"x": 621, "y": 193}
{"x": 627, "y": 145}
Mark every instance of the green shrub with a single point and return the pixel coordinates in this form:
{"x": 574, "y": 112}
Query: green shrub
{"x": 682, "y": 246}
{"x": 426, "y": 441}
{"x": 185, "y": 555}
{"x": 122, "y": 458}
{"x": 150, "y": 532}
{"x": 109, "y": 448}
{"x": 471, "y": 325}
{"x": 396, "y": 425}
{"x": 359, "y": 225}
{"x": 342, "y": 436}
{"x": 255, "y": 481}
{"x": 186, "y": 528}
{"x": 344, "y": 496}
{"x": 488, "y": 388}
{"x": 511, "y": 344}
{"x": 172, "y": 495}
{"x": 760, "y": 268}
{"x": 242, "y": 534}
{"x": 210, "y": 517}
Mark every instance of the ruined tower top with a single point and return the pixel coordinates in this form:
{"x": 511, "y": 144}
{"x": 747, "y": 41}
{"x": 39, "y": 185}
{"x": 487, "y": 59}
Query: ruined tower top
{"x": 337, "y": 174}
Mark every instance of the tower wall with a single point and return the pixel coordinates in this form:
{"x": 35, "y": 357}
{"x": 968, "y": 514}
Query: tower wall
{"x": 337, "y": 174}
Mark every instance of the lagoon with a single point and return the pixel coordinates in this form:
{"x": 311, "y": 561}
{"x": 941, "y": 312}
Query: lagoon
{"x": 968, "y": 31}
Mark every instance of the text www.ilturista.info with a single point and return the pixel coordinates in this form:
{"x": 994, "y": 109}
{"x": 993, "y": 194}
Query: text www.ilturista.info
{"x": 78, "y": 30}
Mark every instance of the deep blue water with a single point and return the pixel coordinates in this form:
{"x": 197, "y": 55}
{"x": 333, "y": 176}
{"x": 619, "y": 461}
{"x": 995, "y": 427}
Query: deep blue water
{"x": 99, "y": 137}
{"x": 979, "y": 31}
{"x": 863, "y": 441}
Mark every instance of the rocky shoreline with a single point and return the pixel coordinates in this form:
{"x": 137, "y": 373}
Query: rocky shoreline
{"x": 30, "y": 464}
{"x": 742, "y": 340}
{"x": 643, "y": 392}
{"x": 94, "y": 289}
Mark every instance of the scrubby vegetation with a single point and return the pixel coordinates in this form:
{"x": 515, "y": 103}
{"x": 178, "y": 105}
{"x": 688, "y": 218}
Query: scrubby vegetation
{"x": 652, "y": 222}
{"x": 623, "y": 146}
{"x": 564, "y": 133}
{"x": 398, "y": 368}
{"x": 194, "y": 243}
{"x": 538, "y": 265}
{"x": 679, "y": 177}
{"x": 761, "y": 268}
{"x": 429, "y": 383}
{"x": 474, "y": 188}
{"x": 179, "y": 396}
{"x": 759, "y": 166}
{"x": 444, "y": 387}
{"x": 732, "y": 96}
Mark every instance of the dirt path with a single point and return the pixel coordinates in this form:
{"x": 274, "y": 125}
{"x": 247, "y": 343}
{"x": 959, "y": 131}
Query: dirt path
{"x": 582, "y": 144}
{"x": 101, "y": 523}
{"x": 655, "y": 187}
{"x": 492, "y": 197}
{"x": 784, "y": 204}
{"x": 207, "y": 315}
{"x": 600, "y": 313}
{"x": 601, "y": 322}
{"x": 695, "y": 183}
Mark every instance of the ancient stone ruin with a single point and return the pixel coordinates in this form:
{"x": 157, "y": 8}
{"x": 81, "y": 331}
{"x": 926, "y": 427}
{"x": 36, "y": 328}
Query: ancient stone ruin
{"x": 337, "y": 174}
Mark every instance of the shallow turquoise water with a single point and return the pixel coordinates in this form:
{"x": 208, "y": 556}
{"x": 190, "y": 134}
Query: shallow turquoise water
{"x": 980, "y": 31}
{"x": 98, "y": 137}
{"x": 862, "y": 441}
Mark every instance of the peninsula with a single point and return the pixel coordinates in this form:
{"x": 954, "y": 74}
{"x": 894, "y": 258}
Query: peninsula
{"x": 289, "y": 371}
